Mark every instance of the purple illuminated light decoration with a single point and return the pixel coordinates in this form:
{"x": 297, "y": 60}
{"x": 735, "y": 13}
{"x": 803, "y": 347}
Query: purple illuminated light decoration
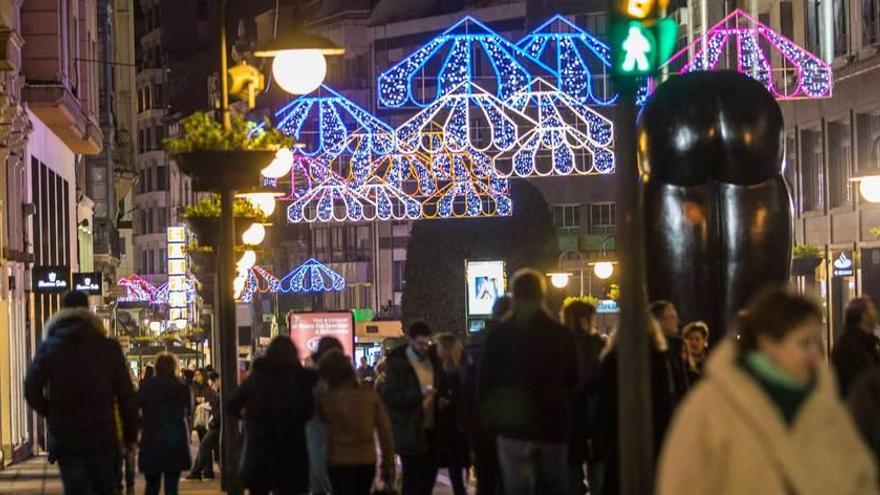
{"x": 813, "y": 78}
{"x": 160, "y": 295}
{"x": 311, "y": 276}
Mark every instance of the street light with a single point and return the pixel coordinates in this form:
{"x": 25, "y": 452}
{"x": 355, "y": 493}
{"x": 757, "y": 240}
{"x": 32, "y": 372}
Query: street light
{"x": 264, "y": 200}
{"x": 868, "y": 180}
{"x": 254, "y": 235}
{"x": 603, "y": 269}
{"x": 300, "y": 65}
{"x": 559, "y": 279}
{"x": 280, "y": 166}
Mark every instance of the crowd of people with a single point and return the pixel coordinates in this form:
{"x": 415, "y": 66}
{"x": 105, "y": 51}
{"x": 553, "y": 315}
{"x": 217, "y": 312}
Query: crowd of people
{"x": 531, "y": 404}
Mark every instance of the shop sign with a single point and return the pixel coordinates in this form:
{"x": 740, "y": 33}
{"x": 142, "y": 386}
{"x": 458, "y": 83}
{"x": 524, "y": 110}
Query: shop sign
{"x": 606, "y": 306}
{"x": 88, "y": 282}
{"x": 307, "y": 329}
{"x": 51, "y": 279}
{"x": 843, "y": 266}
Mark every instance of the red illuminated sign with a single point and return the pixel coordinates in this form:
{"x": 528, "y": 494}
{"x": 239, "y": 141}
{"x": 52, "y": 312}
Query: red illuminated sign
{"x": 306, "y": 329}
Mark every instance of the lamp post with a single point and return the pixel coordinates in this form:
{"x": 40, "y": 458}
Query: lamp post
{"x": 292, "y": 51}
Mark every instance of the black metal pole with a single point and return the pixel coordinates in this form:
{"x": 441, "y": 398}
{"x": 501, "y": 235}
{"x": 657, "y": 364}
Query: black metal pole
{"x": 228, "y": 345}
{"x": 635, "y": 425}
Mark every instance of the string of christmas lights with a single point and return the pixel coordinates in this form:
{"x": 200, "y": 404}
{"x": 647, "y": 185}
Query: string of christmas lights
{"x": 800, "y": 74}
{"x": 311, "y": 276}
{"x": 467, "y": 48}
{"x": 160, "y": 295}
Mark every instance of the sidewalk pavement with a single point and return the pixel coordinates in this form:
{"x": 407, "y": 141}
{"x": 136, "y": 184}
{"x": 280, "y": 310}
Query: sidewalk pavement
{"x": 37, "y": 477}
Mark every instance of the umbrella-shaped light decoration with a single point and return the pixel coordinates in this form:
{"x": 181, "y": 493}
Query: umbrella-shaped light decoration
{"x": 335, "y": 200}
{"x": 462, "y": 53}
{"x": 467, "y": 118}
{"x": 580, "y": 61}
{"x": 160, "y": 296}
{"x": 570, "y": 138}
{"x": 311, "y": 276}
{"x": 137, "y": 289}
{"x": 741, "y": 43}
{"x": 323, "y": 121}
{"x": 258, "y": 281}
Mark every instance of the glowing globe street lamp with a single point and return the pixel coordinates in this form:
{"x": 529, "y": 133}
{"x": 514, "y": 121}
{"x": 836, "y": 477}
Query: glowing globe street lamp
{"x": 299, "y": 64}
{"x": 869, "y": 184}
{"x": 559, "y": 279}
{"x": 603, "y": 270}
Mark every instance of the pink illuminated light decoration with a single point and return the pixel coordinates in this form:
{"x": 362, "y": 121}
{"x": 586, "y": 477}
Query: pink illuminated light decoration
{"x": 741, "y": 43}
{"x": 137, "y": 289}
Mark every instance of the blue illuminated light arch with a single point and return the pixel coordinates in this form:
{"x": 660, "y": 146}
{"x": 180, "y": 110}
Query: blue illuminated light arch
{"x": 324, "y": 120}
{"x": 311, "y": 276}
{"x": 454, "y": 57}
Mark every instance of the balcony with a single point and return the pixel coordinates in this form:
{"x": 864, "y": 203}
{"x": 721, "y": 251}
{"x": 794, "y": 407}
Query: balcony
{"x": 61, "y": 111}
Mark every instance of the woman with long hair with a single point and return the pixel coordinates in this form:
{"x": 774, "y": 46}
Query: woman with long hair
{"x": 316, "y": 430}
{"x": 164, "y": 403}
{"x": 275, "y": 401}
{"x": 353, "y": 414}
{"x": 766, "y": 417}
{"x": 451, "y": 441}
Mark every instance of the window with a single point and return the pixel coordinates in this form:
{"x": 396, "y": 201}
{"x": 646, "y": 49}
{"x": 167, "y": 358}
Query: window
{"x": 162, "y": 265}
{"x": 840, "y": 19}
{"x": 839, "y": 162}
{"x": 870, "y": 24}
{"x": 161, "y": 219}
{"x": 791, "y": 163}
{"x": 121, "y": 242}
{"x": 141, "y": 140}
{"x": 159, "y": 94}
{"x": 566, "y": 217}
{"x": 150, "y": 225}
{"x": 151, "y": 266}
{"x": 603, "y": 218}
{"x": 812, "y": 170}
{"x": 398, "y": 281}
{"x": 143, "y": 267}
{"x": 868, "y": 140}
{"x": 150, "y": 144}
{"x": 786, "y": 19}
{"x": 812, "y": 31}
{"x": 162, "y": 178}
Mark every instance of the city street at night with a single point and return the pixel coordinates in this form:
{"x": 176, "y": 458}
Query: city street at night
{"x": 416, "y": 247}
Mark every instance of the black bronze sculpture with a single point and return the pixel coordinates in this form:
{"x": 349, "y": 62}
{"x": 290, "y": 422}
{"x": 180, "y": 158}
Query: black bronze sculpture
{"x": 717, "y": 209}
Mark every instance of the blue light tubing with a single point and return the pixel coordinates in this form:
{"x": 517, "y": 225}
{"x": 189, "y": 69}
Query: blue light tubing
{"x": 310, "y": 277}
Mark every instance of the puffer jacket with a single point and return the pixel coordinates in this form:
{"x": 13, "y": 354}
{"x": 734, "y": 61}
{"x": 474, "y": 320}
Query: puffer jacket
{"x": 76, "y": 377}
{"x": 731, "y": 429}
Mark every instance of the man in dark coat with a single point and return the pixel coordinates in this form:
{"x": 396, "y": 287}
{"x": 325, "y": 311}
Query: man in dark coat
{"x": 666, "y": 316}
{"x": 275, "y": 401}
{"x": 529, "y": 367}
{"x": 858, "y": 349}
{"x": 76, "y": 378}
{"x": 408, "y": 388}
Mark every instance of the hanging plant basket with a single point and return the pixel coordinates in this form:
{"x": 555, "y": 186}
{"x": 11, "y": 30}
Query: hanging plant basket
{"x": 217, "y": 170}
{"x": 805, "y": 266}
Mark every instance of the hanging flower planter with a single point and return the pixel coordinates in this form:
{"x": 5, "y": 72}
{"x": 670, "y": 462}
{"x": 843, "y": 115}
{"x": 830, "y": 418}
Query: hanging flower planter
{"x": 211, "y": 170}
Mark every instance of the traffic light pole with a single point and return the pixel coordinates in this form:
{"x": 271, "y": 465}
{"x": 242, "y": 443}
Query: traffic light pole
{"x": 635, "y": 421}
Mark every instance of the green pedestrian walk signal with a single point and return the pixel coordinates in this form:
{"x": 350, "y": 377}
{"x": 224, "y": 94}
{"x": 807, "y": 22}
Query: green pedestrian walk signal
{"x": 642, "y": 39}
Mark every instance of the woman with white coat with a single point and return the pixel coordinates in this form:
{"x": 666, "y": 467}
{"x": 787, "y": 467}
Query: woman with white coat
{"x": 766, "y": 418}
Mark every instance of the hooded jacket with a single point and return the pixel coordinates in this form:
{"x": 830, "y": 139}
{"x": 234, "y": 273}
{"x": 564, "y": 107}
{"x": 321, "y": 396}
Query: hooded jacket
{"x": 728, "y": 437}
{"x": 76, "y": 377}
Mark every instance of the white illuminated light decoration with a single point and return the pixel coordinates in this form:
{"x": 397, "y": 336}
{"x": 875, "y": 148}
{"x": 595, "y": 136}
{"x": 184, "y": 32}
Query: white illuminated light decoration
{"x": 812, "y": 77}
{"x": 869, "y": 188}
{"x": 467, "y": 48}
{"x": 569, "y": 137}
{"x": 258, "y": 280}
{"x": 299, "y": 71}
{"x": 603, "y": 269}
{"x": 559, "y": 280}
{"x": 254, "y": 234}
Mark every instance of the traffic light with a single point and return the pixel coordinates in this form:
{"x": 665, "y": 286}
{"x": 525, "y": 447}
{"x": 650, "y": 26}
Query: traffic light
{"x": 642, "y": 37}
